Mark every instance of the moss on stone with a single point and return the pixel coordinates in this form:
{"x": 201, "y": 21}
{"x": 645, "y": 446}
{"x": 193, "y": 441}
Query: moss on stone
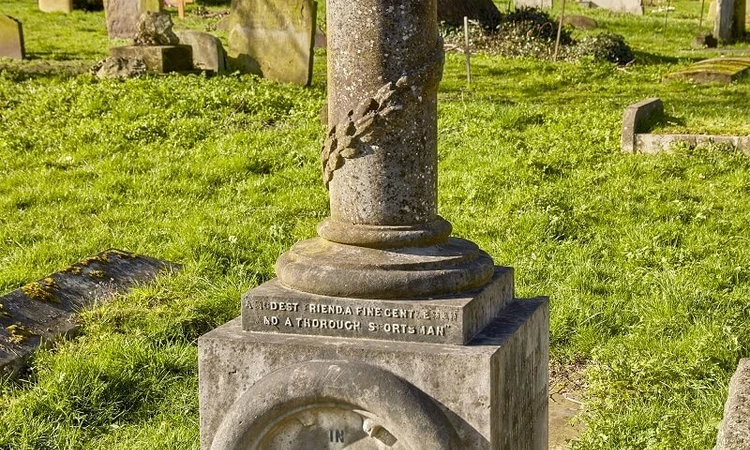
{"x": 40, "y": 291}
{"x": 18, "y": 333}
{"x": 97, "y": 274}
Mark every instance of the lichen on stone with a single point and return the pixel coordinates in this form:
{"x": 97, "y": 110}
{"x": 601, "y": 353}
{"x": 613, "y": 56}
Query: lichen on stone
{"x": 4, "y": 313}
{"x": 41, "y": 290}
{"x": 97, "y": 274}
{"x": 18, "y": 333}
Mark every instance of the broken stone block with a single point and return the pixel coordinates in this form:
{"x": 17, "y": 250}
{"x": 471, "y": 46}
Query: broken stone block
{"x": 208, "y": 53}
{"x": 118, "y": 67}
{"x": 155, "y": 28}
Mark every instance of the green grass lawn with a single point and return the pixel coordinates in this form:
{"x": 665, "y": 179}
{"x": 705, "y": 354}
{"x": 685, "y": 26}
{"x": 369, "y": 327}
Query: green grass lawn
{"x": 646, "y": 258}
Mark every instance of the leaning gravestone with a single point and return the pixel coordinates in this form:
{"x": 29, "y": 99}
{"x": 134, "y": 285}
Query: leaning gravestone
{"x": 122, "y": 16}
{"x": 63, "y": 6}
{"x": 273, "y": 38}
{"x": 11, "y": 38}
{"x": 384, "y": 331}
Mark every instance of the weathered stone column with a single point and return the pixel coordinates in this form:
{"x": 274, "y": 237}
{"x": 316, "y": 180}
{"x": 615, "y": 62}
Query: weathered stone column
{"x": 384, "y": 238}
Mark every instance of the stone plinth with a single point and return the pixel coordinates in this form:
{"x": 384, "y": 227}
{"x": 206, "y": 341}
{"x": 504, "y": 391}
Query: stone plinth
{"x": 11, "y": 38}
{"x": 492, "y": 392}
{"x": 63, "y": 6}
{"x": 273, "y": 38}
{"x": 158, "y": 58}
{"x": 454, "y": 319}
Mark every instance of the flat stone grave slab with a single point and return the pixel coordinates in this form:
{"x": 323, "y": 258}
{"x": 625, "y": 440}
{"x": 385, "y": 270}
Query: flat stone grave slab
{"x": 158, "y": 58}
{"x": 11, "y": 38}
{"x": 44, "y": 310}
{"x": 718, "y": 70}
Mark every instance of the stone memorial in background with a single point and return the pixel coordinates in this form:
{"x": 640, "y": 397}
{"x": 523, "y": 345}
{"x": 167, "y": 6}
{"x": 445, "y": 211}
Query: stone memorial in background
{"x": 273, "y": 38}
{"x": 543, "y": 4}
{"x": 621, "y": 6}
{"x": 729, "y": 21}
{"x": 208, "y": 53}
{"x": 11, "y": 38}
{"x": 384, "y": 332}
{"x": 156, "y": 45}
{"x": 49, "y": 6}
{"x": 122, "y": 16}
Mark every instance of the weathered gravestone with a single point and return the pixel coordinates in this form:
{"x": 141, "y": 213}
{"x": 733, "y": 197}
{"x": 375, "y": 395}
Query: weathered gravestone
{"x": 384, "y": 331}
{"x": 208, "y": 53}
{"x": 273, "y": 38}
{"x": 11, "y": 38}
{"x": 729, "y": 22}
{"x": 621, "y": 6}
{"x": 63, "y": 6}
{"x": 122, "y": 16}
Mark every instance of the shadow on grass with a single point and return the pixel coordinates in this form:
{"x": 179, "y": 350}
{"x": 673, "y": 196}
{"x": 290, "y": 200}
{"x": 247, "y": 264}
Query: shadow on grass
{"x": 646, "y": 58}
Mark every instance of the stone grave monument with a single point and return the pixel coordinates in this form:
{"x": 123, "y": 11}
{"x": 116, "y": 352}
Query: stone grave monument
{"x": 122, "y": 16}
{"x": 384, "y": 332}
{"x": 49, "y": 6}
{"x": 273, "y": 38}
{"x": 157, "y": 46}
{"x": 11, "y": 38}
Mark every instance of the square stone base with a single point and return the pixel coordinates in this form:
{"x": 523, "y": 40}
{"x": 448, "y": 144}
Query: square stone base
{"x": 159, "y": 58}
{"x": 492, "y": 390}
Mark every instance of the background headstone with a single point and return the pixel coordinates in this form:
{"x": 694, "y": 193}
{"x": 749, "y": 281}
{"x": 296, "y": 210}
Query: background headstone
{"x": 483, "y": 11}
{"x": 64, "y": 6}
{"x": 208, "y": 53}
{"x": 729, "y": 23}
{"x": 273, "y": 38}
{"x": 621, "y": 6}
{"x": 545, "y": 4}
{"x": 123, "y": 15}
{"x": 11, "y": 38}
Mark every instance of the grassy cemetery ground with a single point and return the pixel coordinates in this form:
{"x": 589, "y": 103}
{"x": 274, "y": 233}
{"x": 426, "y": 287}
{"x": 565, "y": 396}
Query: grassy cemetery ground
{"x": 646, "y": 258}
